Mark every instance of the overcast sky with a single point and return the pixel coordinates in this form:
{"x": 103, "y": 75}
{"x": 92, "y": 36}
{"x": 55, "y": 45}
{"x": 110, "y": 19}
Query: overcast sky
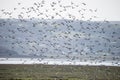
{"x": 106, "y": 9}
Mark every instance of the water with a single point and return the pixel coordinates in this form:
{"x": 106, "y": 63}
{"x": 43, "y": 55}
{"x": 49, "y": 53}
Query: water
{"x": 57, "y": 62}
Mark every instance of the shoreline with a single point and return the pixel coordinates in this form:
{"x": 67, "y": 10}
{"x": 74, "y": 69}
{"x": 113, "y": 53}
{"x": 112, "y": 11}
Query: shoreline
{"x": 58, "y": 62}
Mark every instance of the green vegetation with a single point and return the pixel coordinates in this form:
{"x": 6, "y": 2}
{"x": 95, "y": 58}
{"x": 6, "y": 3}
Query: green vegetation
{"x": 58, "y": 72}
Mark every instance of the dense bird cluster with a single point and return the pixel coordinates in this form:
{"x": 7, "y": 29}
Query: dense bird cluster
{"x": 69, "y": 36}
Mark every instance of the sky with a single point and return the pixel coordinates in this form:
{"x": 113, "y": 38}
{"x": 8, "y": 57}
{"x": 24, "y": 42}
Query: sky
{"x": 106, "y": 9}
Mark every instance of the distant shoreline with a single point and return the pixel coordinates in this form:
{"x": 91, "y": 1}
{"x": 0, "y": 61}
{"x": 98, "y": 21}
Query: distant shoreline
{"x": 57, "y": 62}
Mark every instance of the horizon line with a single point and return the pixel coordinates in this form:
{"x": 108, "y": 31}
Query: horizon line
{"x": 63, "y": 19}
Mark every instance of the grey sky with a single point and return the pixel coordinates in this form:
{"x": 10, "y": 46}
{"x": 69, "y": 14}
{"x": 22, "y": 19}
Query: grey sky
{"x": 106, "y": 9}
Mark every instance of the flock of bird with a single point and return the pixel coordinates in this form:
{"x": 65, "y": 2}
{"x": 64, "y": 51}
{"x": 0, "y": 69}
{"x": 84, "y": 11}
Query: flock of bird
{"x": 48, "y": 37}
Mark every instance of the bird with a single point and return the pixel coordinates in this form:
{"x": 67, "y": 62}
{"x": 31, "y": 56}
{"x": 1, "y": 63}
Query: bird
{"x": 69, "y": 37}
